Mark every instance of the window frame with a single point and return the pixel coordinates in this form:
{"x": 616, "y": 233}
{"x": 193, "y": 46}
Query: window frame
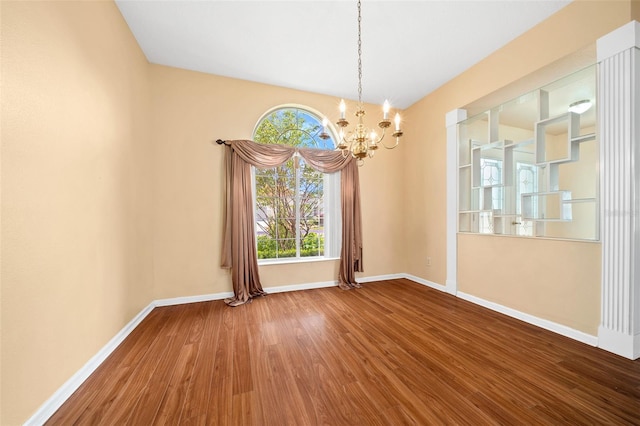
{"x": 332, "y": 224}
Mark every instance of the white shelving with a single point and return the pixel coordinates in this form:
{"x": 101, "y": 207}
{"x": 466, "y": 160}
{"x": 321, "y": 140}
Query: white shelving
{"x": 515, "y": 180}
{"x": 547, "y": 206}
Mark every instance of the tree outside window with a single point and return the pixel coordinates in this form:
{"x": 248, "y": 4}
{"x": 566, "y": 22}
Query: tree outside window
{"x": 293, "y": 206}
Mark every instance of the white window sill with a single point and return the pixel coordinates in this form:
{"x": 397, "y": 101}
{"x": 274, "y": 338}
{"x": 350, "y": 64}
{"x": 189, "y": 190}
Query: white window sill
{"x": 287, "y": 260}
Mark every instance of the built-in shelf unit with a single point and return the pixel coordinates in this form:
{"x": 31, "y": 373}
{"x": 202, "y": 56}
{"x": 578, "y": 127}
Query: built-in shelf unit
{"x": 529, "y": 167}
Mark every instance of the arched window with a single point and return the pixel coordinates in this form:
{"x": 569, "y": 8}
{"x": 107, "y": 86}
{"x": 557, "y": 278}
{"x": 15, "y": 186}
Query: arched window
{"x": 297, "y": 209}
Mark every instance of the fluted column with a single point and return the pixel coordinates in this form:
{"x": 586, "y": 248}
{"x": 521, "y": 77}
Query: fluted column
{"x": 452, "y": 120}
{"x": 619, "y": 134}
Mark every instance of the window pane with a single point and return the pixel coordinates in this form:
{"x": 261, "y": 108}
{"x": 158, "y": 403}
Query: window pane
{"x": 290, "y": 199}
{"x": 266, "y": 247}
{"x": 265, "y": 215}
{"x": 286, "y": 247}
{"x": 312, "y": 245}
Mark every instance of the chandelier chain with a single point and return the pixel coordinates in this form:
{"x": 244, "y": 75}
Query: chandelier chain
{"x": 359, "y": 55}
{"x": 362, "y": 142}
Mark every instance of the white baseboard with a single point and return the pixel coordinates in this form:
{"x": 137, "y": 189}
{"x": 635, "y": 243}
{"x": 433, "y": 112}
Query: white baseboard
{"x": 451, "y": 287}
{"x": 625, "y": 345}
{"x": 220, "y": 296}
{"x": 539, "y": 322}
{"x": 380, "y": 278}
{"x": 297, "y": 287}
{"x": 425, "y": 282}
{"x": 52, "y": 405}
{"x": 531, "y": 319}
{"x": 192, "y": 299}
{"x": 323, "y": 284}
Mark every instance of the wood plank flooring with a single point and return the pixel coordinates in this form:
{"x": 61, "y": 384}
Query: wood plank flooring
{"x": 391, "y": 353}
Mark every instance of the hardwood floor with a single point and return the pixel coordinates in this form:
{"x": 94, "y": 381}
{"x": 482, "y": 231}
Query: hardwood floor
{"x": 391, "y": 353}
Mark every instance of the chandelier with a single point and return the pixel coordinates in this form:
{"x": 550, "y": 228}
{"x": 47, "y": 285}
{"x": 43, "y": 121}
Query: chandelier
{"x": 362, "y": 142}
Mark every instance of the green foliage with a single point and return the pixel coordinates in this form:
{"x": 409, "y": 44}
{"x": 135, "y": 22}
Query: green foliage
{"x": 276, "y": 189}
{"x": 311, "y": 245}
{"x": 287, "y": 127}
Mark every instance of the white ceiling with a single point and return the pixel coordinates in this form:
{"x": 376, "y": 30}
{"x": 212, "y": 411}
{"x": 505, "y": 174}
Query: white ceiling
{"x": 409, "y": 48}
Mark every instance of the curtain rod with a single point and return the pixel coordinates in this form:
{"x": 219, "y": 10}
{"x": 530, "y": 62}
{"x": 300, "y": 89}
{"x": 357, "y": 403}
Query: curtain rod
{"x": 221, "y": 142}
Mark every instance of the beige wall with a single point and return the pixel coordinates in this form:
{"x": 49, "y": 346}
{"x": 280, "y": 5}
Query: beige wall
{"x": 76, "y": 192}
{"x": 111, "y": 188}
{"x": 91, "y": 136}
{"x": 635, "y": 10}
{"x": 525, "y": 274}
{"x": 190, "y": 110}
{"x": 572, "y": 29}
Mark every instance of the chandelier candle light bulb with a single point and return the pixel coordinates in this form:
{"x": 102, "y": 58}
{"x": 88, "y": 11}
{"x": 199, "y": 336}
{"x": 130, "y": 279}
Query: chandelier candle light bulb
{"x": 354, "y": 142}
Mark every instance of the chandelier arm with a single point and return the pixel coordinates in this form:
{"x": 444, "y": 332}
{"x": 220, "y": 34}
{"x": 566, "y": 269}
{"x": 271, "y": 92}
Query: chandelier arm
{"x": 391, "y": 147}
{"x": 379, "y": 140}
{"x": 348, "y": 137}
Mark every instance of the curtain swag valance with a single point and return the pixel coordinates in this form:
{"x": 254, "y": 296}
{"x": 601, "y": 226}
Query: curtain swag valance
{"x": 239, "y": 251}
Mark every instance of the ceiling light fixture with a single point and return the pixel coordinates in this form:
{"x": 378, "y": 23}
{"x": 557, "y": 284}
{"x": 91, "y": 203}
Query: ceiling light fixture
{"x": 362, "y": 142}
{"x": 580, "y": 106}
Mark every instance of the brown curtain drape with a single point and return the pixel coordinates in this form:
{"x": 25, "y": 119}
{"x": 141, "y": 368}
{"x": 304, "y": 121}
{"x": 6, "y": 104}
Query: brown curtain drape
{"x": 239, "y": 249}
{"x": 351, "y": 252}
